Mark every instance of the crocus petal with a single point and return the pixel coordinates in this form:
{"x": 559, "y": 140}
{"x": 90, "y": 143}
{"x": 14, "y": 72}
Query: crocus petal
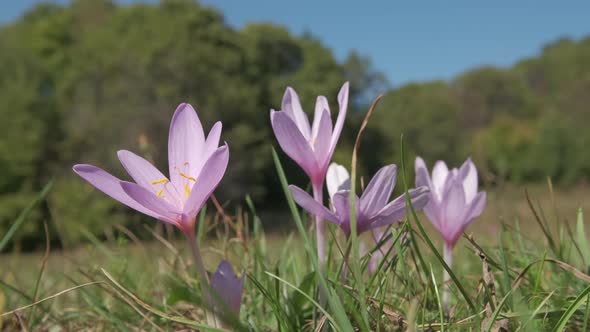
{"x": 165, "y": 211}
{"x": 469, "y": 180}
{"x": 292, "y": 107}
{"x": 422, "y": 176}
{"x": 343, "y": 105}
{"x": 341, "y": 203}
{"x": 207, "y": 180}
{"x": 212, "y": 141}
{"x": 396, "y": 209}
{"x": 440, "y": 173}
{"x": 228, "y": 288}
{"x": 321, "y": 142}
{"x": 377, "y": 193}
{"x": 476, "y": 207}
{"x": 321, "y": 105}
{"x": 308, "y": 203}
{"x": 454, "y": 208}
{"x": 293, "y": 143}
{"x": 337, "y": 178}
{"x": 185, "y": 145}
{"x": 111, "y": 186}
{"x": 147, "y": 176}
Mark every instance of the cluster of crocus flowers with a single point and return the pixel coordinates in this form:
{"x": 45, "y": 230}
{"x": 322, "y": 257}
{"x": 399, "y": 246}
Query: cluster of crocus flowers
{"x": 311, "y": 147}
{"x": 373, "y": 208}
{"x": 196, "y": 165}
{"x": 455, "y": 203}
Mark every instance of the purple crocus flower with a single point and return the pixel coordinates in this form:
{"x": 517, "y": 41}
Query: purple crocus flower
{"x": 196, "y": 167}
{"x": 310, "y": 147}
{"x": 372, "y": 208}
{"x": 228, "y": 288}
{"x": 455, "y": 202}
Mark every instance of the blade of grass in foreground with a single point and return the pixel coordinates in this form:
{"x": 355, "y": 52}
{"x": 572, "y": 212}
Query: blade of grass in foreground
{"x": 425, "y": 236}
{"x": 561, "y": 324}
{"x": 23, "y": 215}
{"x": 343, "y": 323}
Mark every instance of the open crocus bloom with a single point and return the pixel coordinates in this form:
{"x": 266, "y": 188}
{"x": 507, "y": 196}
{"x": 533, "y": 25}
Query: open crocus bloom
{"x": 310, "y": 147}
{"x": 455, "y": 202}
{"x": 372, "y": 208}
{"x": 228, "y": 288}
{"x": 196, "y": 165}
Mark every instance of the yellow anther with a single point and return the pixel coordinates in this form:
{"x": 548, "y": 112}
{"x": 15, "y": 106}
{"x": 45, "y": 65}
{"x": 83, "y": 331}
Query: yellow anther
{"x": 188, "y": 177}
{"x": 315, "y": 140}
{"x": 159, "y": 193}
{"x": 164, "y": 180}
{"x": 187, "y": 191}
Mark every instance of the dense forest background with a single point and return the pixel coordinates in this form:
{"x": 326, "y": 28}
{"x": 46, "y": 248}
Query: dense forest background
{"x": 79, "y": 82}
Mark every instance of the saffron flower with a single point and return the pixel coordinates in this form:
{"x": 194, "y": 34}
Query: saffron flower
{"x": 372, "y": 208}
{"x": 228, "y": 290}
{"x": 455, "y": 202}
{"x": 311, "y": 147}
{"x": 196, "y": 167}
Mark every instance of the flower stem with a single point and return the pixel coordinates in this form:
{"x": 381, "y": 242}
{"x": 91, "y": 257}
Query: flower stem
{"x": 203, "y": 278}
{"x": 446, "y": 293}
{"x": 320, "y": 229}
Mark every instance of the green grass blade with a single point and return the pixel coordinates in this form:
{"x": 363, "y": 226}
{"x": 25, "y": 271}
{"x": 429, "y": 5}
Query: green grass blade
{"x": 24, "y": 214}
{"x": 562, "y": 323}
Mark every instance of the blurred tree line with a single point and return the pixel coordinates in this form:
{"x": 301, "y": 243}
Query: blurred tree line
{"x": 79, "y": 82}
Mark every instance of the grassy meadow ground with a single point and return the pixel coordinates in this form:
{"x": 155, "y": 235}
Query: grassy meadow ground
{"x": 150, "y": 282}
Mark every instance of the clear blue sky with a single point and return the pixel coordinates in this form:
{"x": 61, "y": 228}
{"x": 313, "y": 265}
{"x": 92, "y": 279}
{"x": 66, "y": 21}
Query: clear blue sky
{"x": 411, "y": 40}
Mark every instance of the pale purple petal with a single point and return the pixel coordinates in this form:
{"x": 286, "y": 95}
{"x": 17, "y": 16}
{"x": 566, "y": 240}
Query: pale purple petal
{"x": 343, "y": 105}
{"x": 454, "y": 207}
{"x": 292, "y": 107}
{"x": 477, "y": 206}
{"x": 321, "y": 105}
{"x": 185, "y": 146}
{"x": 422, "y": 175}
{"x": 321, "y": 142}
{"x": 378, "y": 190}
{"x": 149, "y": 177}
{"x": 111, "y": 186}
{"x": 206, "y": 182}
{"x": 293, "y": 143}
{"x": 310, "y": 205}
{"x": 337, "y": 178}
{"x": 469, "y": 180}
{"x": 212, "y": 142}
{"x": 341, "y": 202}
{"x": 396, "y": 209}
{"x": 228, "y": 288}
{"x": 440, "y": 173}
{"x": 150, "y": 201}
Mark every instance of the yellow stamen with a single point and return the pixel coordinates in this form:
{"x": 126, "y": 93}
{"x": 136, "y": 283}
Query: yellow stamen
{"x": 188, "y": 177}
{"x": 315, "y": 140}
{"x": 159, "y": 193}
{"x": 187, "y": 191}
{"x": 164, "y": 180}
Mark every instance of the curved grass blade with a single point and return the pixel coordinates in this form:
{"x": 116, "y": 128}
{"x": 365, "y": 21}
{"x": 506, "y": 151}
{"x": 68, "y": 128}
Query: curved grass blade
{"x": 23, "y": 215}
{"x": 561, "y": 324}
